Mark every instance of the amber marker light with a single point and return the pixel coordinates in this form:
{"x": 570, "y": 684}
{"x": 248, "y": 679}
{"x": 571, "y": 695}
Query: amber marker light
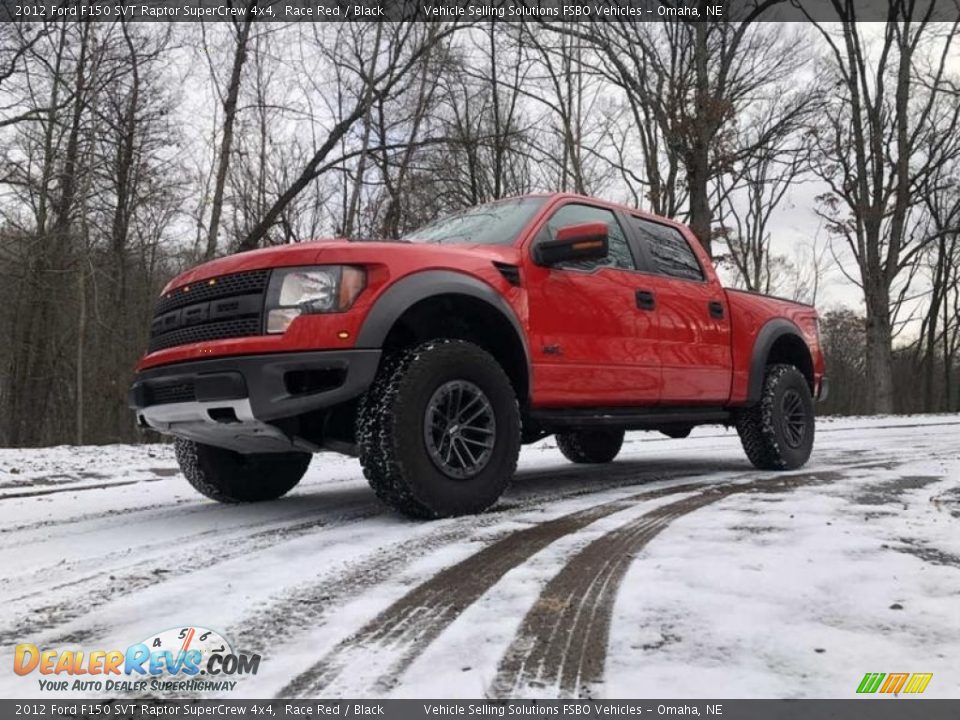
{"x": 587, "y": 245}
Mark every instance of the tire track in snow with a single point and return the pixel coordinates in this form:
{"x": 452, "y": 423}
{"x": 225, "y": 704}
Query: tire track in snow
{"x": 414, "y": 621}
{"x": 535, "y": 487}
{"x": 127, "y": 579}
{"x": 74, "y": 488}
{"x": 304, "y": 607}
{"x": 562, "y": 642}
{"x": 297, "y": 608}
{"x": 152, "y": 510}
{"x": 100, "y": 588}
{"x": 418, "y": 618}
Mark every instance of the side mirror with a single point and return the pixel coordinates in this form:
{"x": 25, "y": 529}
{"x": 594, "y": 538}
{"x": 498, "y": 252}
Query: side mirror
{"x": 573, "y": 243}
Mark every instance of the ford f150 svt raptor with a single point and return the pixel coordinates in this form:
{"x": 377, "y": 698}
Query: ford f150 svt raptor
{"x": 434, "y": 357}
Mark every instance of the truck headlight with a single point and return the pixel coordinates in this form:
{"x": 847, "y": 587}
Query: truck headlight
{"x": 306, "y": 290}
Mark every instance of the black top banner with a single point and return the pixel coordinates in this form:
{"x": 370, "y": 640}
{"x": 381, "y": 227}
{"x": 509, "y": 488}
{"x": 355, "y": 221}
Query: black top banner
{"x": 466, "y": 11}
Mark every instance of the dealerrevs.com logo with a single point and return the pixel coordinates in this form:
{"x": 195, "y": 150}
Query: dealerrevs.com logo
{"x": 184, "y": 659}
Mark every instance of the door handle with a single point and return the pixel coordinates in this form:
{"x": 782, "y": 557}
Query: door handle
{"x": 646, "y": 300}
{"x": 716, "y": 310}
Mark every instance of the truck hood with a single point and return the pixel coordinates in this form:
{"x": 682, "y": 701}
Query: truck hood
{"x": 332, "y": 252}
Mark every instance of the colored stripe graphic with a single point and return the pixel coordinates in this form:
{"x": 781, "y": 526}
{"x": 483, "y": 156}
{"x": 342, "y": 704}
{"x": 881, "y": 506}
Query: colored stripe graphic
{"x": 918, "y": 683}
{"x": 870, "y": 682}
{"x": 894, "y": 683}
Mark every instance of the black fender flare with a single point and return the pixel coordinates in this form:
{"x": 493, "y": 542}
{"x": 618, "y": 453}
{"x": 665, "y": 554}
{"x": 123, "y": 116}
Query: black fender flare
{"x": 771, "y": 331}
{"x": 411, "y": 289}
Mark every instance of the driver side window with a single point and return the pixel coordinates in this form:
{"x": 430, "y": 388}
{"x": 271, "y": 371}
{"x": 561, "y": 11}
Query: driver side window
{"x": 619, "y": 255}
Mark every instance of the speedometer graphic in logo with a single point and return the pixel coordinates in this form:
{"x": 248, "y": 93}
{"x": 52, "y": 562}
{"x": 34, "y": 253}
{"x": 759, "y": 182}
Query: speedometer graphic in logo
{"x": 181, "y": 640}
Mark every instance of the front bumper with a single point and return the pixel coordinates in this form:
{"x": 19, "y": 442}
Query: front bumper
{"x": 237, "y": 402}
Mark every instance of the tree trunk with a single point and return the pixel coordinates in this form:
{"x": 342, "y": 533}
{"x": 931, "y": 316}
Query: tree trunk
{"x": 879, "y": 356}
{"x": 701, "y": 216}
{"x": 226, "y": 142}
{"x": 698, "y": 162}
{"x": 81, "y": 335}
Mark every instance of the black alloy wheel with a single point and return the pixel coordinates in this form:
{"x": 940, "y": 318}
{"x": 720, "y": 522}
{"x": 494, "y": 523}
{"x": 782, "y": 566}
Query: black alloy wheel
{"x": 459, "y": 429}
{"x": 793, "y": 418}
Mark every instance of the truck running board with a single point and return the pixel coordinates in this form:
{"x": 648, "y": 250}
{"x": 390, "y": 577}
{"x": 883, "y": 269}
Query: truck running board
{"x": 632, "y": 418}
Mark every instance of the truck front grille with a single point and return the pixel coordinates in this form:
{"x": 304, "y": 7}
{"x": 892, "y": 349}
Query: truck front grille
{"x": 226, "y": 307}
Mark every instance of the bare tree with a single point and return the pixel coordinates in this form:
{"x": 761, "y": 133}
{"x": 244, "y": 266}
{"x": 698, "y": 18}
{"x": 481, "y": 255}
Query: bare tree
{"x": 576, "y": 115}
{"x": 80, "y": 173}
{"x": 47, "y": 178}
{"x": 842, "y": 335}
{"x": 17, "y": 42}
{"x": 748, "y": 196}
{"x": 692, "y": 79}
{"x": 942, "y": 257}
{"x": 877, "y": 151}
{"x": 378, "y": 76}
{"x": 229, "y": 97}
{"x": 479, "y": 114}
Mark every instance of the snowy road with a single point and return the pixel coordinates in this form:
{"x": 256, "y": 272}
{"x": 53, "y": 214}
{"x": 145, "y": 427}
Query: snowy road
{"x": 676, "y": 571}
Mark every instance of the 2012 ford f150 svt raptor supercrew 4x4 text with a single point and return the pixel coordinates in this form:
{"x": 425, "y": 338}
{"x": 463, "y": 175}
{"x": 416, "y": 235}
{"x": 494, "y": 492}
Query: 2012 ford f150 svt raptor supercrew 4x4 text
{"x": 434, "y": 357}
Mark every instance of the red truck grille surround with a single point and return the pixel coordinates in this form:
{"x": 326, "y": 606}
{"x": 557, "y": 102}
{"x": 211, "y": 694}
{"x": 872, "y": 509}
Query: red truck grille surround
{"x": 225, "y": 307}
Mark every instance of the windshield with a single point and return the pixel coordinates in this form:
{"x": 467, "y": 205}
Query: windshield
{"x": 496, "y": 223}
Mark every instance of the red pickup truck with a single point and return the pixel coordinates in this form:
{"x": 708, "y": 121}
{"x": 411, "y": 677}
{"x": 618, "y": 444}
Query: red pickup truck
{"x": 435, "y": 356}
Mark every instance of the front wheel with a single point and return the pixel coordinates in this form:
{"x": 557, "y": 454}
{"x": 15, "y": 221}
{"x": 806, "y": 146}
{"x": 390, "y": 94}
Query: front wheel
{"x": 777, "y": 433}
{"x": 439, "y": 430}
{"x": 590, "y": 446}
{"x": 231, "y": 477}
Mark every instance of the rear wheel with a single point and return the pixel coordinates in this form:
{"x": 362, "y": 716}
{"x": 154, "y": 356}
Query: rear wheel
{"x": 590, "y": 446}
{"x": 777, "y": 433}
{"x": 231, "y": 477}
{"x": 440, "y": 430}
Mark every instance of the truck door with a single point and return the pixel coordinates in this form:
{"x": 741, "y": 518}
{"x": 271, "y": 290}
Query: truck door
{"x": 693, "y": 329}
{"x": 590, "y": 344}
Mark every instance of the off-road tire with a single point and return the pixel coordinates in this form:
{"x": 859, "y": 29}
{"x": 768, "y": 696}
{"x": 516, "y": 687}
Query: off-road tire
{"x": 390, "y": 430}
{"x": 761, "y": 427}
{"x": 590, "y": 446}
{"x": 231, "y": 477}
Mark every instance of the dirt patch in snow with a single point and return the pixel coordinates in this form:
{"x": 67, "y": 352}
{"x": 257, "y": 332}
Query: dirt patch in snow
{"x": 891, "y": 490}
{"x": 928, "y": 554}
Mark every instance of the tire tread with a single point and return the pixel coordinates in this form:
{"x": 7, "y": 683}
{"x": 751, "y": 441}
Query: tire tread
{"x": 755, "y": 424}
{"x": 380, "y": 414}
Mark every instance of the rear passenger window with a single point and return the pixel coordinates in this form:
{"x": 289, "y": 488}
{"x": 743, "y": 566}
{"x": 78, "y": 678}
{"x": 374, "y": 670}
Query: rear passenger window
{"x": 671, "y": 252}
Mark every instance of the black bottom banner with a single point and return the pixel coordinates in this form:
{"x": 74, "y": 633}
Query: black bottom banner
{"x": 892, "y": 708}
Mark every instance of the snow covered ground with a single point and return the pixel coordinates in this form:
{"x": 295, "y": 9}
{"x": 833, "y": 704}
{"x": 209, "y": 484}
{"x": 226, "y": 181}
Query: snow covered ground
{"x": 679, "y": 570}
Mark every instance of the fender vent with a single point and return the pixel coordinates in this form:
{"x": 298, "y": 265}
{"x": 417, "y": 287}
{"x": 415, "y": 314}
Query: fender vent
{"x": 511, "y": 273}
{"x": 307, "y": 382}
